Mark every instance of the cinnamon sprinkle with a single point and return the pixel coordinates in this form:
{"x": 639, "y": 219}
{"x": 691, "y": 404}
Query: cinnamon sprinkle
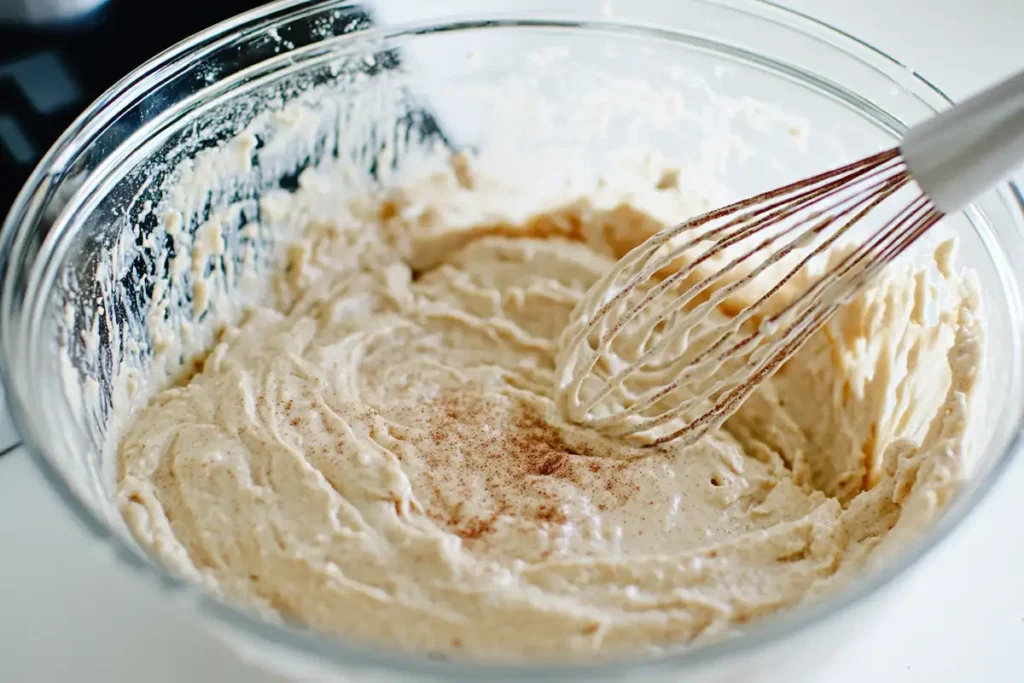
{"x": 510, "y": 461}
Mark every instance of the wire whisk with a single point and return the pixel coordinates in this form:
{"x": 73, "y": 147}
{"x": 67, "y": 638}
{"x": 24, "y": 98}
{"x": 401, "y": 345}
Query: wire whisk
{"x": 686, "y": 325}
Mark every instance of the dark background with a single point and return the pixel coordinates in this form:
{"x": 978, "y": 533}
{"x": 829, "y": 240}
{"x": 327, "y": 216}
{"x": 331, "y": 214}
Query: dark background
{"x": 49, "y": 74}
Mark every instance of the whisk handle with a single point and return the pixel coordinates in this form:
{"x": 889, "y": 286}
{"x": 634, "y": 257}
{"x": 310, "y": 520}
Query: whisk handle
{"x": 958, "y": 154}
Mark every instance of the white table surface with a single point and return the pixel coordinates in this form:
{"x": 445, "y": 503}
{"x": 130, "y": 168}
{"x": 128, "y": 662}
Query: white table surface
{"x": 67, "y": 613}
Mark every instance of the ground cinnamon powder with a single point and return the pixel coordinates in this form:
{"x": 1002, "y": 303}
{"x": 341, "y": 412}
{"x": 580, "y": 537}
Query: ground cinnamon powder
{"x": 509, "y": 462}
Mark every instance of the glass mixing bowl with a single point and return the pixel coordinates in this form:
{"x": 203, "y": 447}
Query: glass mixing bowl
{"x": 756, "y": 93}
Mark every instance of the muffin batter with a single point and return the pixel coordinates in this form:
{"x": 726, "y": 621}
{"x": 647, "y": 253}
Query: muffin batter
{"x": 378, "y": 454}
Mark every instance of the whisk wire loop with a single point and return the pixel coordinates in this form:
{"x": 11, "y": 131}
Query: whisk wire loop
{"x": 651, "y": 334}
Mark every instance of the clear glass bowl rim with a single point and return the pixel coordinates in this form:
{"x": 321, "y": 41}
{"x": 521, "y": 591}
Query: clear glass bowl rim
{"x": 345, "y": 655}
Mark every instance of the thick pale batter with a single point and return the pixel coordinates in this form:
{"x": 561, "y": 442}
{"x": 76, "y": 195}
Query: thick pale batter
{"x": 378, "y": 455}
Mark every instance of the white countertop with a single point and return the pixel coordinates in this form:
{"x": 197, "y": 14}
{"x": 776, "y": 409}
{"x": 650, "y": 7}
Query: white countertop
{"x": 68, "y": 613}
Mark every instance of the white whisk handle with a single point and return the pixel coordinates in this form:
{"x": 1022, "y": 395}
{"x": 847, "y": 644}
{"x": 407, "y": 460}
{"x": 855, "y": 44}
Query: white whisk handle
{"x": 960, "y": 153}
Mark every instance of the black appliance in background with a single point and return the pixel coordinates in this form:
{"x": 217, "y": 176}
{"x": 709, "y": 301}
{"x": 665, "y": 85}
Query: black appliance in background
{"x": 49, "y": 74}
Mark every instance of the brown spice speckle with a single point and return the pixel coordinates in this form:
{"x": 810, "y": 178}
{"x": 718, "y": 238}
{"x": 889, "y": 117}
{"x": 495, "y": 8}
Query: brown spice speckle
{"x": 488, "y": 460}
